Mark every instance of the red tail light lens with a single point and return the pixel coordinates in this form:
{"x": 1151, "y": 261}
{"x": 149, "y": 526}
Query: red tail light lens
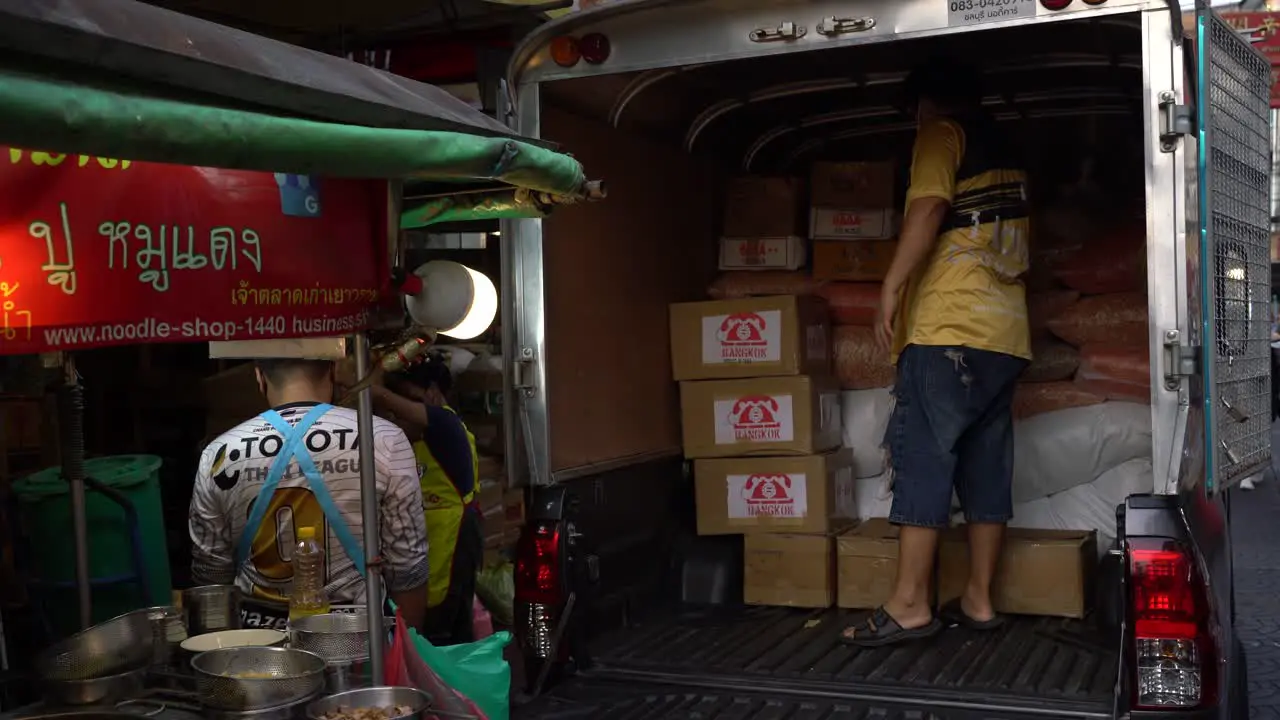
{"x": 595, "y": 48}
{"x": 538, "y": 574}
{"x": 1055, "y": 4}
{"x": 1094, "y": 2}
{"x": 565, "y": 51}
{"x": 1174, "y": 652}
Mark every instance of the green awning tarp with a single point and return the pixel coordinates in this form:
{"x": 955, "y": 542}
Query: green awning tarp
{"x": 492, "y": 205}
{"x": 37, "y": 111}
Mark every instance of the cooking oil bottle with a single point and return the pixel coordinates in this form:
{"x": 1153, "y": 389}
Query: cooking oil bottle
{"x": 307, "y": 596}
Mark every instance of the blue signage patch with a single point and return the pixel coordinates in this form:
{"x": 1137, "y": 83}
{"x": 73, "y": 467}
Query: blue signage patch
{"x": 299, "y": 195}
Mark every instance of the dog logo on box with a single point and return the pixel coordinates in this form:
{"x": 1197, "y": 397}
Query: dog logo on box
{"x": 755, "y": 419}
{"x": 742, "y": 337}
{"x": 769, "y": 495}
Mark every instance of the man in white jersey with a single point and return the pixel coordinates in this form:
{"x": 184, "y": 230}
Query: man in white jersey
{"x": 298, "y": 465}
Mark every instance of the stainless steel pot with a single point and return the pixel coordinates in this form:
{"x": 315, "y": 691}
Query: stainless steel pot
{"x": 340, "y": 677}
{"x": 211, "y": 608}
{"x": 95, "y": 691}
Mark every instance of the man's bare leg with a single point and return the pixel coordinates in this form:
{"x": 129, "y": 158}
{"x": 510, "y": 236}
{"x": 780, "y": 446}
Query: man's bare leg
{"x": 985, "y": 543}
{"x": 909, "y": 605}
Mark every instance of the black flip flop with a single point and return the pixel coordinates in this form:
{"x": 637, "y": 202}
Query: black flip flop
{"x": 880, "y": 629}
{"x": 953, "y": 613}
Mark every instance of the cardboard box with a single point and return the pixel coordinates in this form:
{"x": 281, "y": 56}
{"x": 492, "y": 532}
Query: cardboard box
{"x": 810, "y": 494}
{"x": 751, "y": 337}
{"x": 490, "y": 496}
{"x": 798, "y": 415}
{"x": 864, "y": 261}
{"x": 756, "y": 206}
{"x": 789, "y": 570}
{"x": 770, "y": 253}
{"x": 852, "y": 184}
{"x": 867, "y": 565}
{"x": 826, "y": 223}
{"x": 1042, "y": 572}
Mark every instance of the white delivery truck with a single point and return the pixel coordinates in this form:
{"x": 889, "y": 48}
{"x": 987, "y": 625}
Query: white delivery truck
{"x": 667, "y": 99}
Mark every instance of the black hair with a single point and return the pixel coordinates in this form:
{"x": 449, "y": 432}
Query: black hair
{"x": 433, "y": 370}
{"x": 955, "y": 85}
{"x": 278, "y": 371}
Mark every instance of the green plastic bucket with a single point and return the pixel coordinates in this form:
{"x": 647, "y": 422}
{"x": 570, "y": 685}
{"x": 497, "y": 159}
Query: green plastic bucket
{"x": 45, "y": 500}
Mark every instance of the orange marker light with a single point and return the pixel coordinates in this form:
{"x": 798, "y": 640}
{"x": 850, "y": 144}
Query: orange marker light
{"x": 565, "y": 51}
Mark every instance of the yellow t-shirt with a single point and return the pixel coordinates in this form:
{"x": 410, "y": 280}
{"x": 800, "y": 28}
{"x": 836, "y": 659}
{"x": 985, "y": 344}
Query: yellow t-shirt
{"x": 969, "y": 293}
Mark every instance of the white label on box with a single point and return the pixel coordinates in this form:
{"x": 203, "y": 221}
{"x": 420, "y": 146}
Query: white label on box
{"x": 746, "y": 337}
{"x": 769, "y": 495}
{"x": 846, "y": 492}
{"x": 777, "y": 253}
{"x": 829, "y": 411}
{"x": 755, "y": 419}
{"x": 852, "y": 224}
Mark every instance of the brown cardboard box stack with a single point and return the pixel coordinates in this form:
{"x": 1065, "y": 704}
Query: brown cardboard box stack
{"x": 852, "y": 221}
{"x": 761, "y": 421}
{"x": 763, "y": 224}
{"x": 501, "y": 510}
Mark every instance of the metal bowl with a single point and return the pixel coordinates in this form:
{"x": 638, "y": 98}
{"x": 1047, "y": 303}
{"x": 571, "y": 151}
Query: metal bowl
{"x": 116, "y": 646}
{"x": 251, "y": 637}
{"x": 336, "y": 637}
{"x": 254, "y": 678}
{"x": 95, "y": 691}
{"x": 419, "y": 701}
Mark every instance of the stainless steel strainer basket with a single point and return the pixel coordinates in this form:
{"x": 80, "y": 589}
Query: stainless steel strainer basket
{"x": 113, "y": 647}
{"x": 252, "y": 678}
{"x": 336, "y": 637}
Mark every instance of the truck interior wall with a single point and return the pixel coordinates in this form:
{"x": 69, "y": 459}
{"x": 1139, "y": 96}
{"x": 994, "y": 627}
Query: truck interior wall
{"x": 611, "y": 269}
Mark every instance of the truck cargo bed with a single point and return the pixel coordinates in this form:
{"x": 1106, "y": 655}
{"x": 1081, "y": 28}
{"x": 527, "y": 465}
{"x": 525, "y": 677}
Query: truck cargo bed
{"x": 1065, "y": 668}
{"x": 594, "y": 699}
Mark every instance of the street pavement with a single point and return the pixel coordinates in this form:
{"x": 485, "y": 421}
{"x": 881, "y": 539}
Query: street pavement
{"x": 1255, "y": 537}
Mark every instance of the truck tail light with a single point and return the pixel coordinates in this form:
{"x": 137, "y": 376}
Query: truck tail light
{"x": 1174, "y": 654}
{"x": 1094, "y": 2}
{"x": 565, "y": 51}
{"x": 595, "y": 48}
{"x": 539, "y": 588}
{"x": 1055, "y": 4}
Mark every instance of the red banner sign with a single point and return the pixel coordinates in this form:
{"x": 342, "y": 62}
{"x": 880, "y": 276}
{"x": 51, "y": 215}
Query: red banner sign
{"x": 1261, "y": 29}
{"x": 97, "y": 251}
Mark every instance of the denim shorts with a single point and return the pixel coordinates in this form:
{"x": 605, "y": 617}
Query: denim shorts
{"x": 952, "y": 429}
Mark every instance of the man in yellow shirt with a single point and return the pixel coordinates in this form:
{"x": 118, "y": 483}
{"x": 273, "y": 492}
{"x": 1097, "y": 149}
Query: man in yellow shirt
{"x": 953, "y": 315}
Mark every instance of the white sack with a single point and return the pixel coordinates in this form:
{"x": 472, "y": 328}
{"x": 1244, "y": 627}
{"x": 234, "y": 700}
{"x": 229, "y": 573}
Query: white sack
{"x": 866, "y": 415}
{"x": 1059, "y": 450}
{"x": 1088, "y": 507}
{"x": 874, "y": 497}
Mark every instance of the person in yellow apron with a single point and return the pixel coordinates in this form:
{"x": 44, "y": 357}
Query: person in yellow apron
{"x": 449, "y": 468}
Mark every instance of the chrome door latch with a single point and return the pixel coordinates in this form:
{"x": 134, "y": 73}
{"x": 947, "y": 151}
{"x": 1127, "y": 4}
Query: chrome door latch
{"x": 834, "y": 26}
{"x": 785, "y": 31}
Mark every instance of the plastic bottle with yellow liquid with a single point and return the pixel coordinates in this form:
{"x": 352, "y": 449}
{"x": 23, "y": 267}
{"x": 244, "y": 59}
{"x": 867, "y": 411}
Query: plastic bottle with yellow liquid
{"x": 307, "y": 596}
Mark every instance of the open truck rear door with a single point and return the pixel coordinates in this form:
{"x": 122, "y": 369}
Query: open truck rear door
{"x": 1233, "y": 227}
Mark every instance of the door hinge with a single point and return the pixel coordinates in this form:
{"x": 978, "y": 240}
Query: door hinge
{"x": 1180, "y": 361}
{"x": 522, "y": 371}
{"x": 1175, "y": 121}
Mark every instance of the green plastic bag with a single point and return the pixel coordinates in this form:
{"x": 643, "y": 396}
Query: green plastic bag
{"x": 477, "y": 670}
